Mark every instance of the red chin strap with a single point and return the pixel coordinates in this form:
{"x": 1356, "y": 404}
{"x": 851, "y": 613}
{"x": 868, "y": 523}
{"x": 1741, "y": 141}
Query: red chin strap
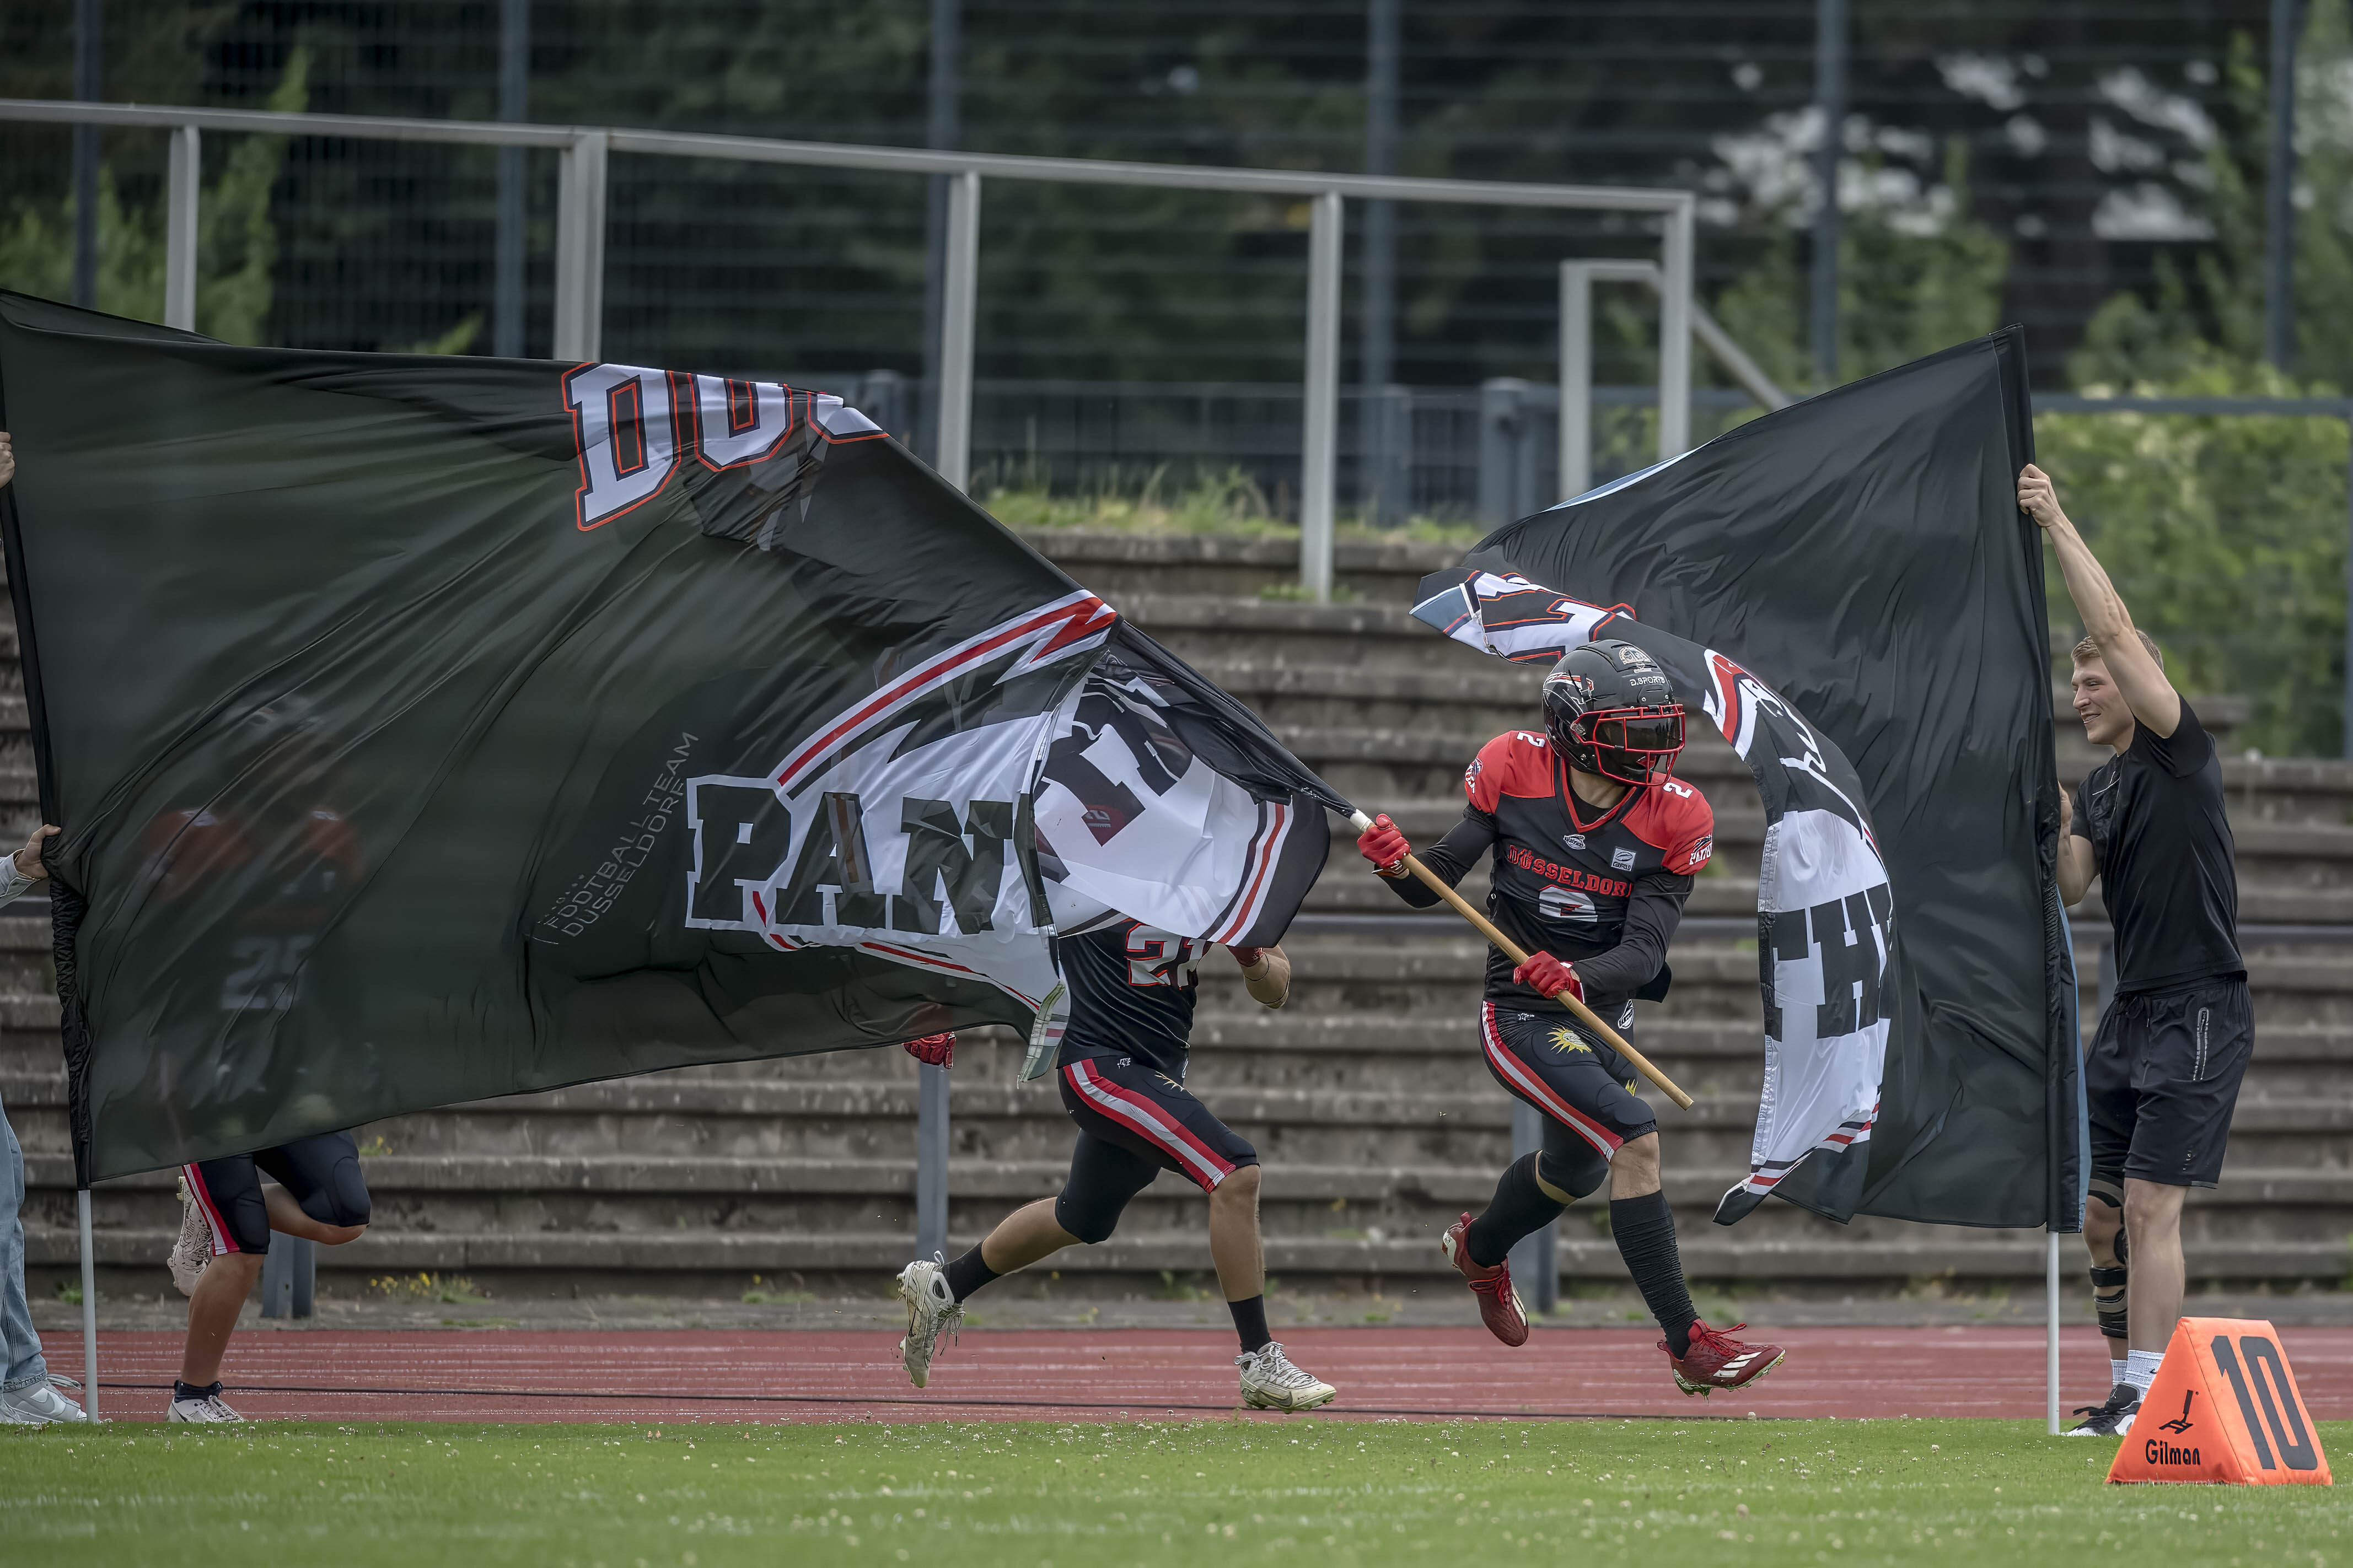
{"x": 1655, "y": 761}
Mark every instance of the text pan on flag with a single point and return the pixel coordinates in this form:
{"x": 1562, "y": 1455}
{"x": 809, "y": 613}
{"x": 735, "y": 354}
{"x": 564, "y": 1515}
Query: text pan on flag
{"x": 1862, "y": 552}
{"x": 1825, "y": 915}
{"x": 430, "y": 729}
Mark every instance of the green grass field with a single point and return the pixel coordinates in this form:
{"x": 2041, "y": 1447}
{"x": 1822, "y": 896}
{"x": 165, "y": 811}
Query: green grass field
{"x": 1096, "y": 1497}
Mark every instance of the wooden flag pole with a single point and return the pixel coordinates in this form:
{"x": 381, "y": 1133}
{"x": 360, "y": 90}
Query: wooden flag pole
{"x": 1513, "y": 950}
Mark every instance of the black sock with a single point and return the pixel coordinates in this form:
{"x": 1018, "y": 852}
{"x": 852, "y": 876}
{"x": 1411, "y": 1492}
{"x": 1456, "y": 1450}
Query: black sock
{"x": 1249, "y": 1322}
{"x": 1518, "y": 1208}
{"x": 968, "y": 1273}
{"x": 1644, "y": 1228}
{"x": 194, "y": 1391}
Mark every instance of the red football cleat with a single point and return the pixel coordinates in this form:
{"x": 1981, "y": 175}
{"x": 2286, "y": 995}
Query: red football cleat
{"x": 1499, "y": 1304}
{"x": 1715, "y": 1360}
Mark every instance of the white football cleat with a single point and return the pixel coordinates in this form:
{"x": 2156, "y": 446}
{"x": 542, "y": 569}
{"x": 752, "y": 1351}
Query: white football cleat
{"x": 40, "y": 1404}
{"x": 194, "y": 1248}
{"x": 204, "y": 1408}
{"x": 1271, "y": 1383}
{"x": 931, "y": 1310}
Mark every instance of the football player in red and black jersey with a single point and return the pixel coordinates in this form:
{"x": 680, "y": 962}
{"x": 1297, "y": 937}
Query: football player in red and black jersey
{"x": 1595, "y": 843}
{"x": 1121, "y": 1074}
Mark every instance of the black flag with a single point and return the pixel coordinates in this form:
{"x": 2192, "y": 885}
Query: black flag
{"x": 430, "y": 729}
{"x": 1862, "y": 553}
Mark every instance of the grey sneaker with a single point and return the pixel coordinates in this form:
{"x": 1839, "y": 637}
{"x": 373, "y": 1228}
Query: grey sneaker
{"x": 2113, "y": 1419}
{"x": 932, "y": 1309}
{"x": 1271, "y": 1383}
{"x": 40, "y": 1403}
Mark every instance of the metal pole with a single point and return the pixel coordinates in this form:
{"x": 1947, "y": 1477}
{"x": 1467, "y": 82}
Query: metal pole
{"x": 2050, "y": 1330}
{"x": 507, "y": 305}
{"x": 2279, "y": 206}
{"x": 184, "y": 165}
{"x": 947, "y": 46}
{"x": 1320, "y": 446}
{"x": 89, "y": 40}
{"x": 1575, "y": 378}
{"x": 89, "y": 1309}
{"x": 1381, "y": 42}
{"x": 1675, "y": 331}
{"x": 1535, "y": 1257}
{"x": 580, "y": 249}
{"x": 931, "y": 1161}
{"x": 2348, "y": 742}
{"x": 1829, "y": 98}
{"x": 959, "y": 307}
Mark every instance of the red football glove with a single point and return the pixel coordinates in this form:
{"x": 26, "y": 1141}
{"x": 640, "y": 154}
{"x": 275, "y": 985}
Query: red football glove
{"x": 1548, "y": 976}
{"x": 1384, "y": 845}
{"x": 933, "y": 1050}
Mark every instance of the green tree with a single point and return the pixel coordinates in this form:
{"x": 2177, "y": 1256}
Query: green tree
{"x": 237, "y": 244}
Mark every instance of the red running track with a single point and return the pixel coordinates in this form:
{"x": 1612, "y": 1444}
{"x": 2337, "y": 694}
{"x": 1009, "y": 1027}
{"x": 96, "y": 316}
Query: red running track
{"x": 669, "y": 1377}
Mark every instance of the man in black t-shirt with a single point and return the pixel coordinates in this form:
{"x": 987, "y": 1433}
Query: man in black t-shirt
{"x": 2163, "y": 1072}
{"x": 1121, "y": 1071}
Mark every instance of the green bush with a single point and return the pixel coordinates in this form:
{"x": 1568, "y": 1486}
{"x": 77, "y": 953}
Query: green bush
{"x": 2226, "y": 536}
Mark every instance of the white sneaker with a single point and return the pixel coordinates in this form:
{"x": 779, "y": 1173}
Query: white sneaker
{"x": 40, "y": 1403}
{"x": 930, "y": 1308}
{"x": 194, "y": 1248}
{"x": 1271, "y": 1383}
{"x": 206, "y": 1407}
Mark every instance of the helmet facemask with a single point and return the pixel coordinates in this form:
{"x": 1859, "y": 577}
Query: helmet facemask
{"x": 1633, "y": 746}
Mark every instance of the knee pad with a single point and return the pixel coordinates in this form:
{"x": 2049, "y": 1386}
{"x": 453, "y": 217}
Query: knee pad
{"x": 1091, "y": 1214}
{"x": 1571, "y": 1174}
{"x": 343, "y": 1199}
{"x": 2108, "y": 1299}
{"x": 246, "y": 1220}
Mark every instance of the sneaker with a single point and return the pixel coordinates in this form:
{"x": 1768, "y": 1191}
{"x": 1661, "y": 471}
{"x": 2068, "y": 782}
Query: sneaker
{"x": 194, "y": 1248}
{"x": 39, "y": 1403}
{"x": 206, "y": 1405}
{"x": 1714, "y": 1360}
{"x": 1271, "y": 1383}
{"x": 2113, "y": 1419}
{"x": 930, "y": 1309}
{"x": 1499, "y": 1305}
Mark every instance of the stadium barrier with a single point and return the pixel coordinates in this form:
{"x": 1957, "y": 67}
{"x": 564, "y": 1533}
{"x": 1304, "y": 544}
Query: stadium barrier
{"x": 584, "y": 152}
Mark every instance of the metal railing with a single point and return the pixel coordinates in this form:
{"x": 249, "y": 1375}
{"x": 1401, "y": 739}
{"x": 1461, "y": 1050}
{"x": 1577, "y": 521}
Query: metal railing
{"x": 584, "y": 152}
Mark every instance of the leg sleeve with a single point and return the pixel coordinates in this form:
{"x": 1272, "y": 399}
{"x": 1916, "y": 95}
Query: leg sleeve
{"x": 1103, "y": 1178}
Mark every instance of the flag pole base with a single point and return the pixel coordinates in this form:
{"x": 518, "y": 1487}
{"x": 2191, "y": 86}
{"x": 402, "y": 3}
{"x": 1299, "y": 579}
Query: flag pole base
{"x": 2050, "y": 1329}
{"x": 88, "y": 1310}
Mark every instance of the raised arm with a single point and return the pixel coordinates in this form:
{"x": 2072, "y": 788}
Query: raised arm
{"x": 1266, "y": 974}
{"x": 2105, "y": 620}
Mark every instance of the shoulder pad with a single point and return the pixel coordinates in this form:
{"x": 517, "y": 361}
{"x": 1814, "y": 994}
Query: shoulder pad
{"x": 1677, "y": 818}
{"x": 1516, "y": 763}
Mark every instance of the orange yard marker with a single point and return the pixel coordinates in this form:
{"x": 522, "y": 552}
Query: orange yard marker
{"x": 2224, "y": 1407}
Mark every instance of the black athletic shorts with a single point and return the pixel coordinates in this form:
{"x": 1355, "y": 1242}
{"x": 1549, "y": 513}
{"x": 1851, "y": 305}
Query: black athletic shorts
{"x": 1131, "y": 1105}
{"x": 2162, "y": 1078}
{"x": 322, "y": 1175}
{"x": 1582, "y": 1086}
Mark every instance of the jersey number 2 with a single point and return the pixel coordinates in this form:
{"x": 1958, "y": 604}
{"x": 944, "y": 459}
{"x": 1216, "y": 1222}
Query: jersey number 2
{"x": 1149, "y": 961}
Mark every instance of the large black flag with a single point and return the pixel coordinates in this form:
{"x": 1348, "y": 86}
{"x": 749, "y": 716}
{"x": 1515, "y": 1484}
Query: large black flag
{"x": 426, "y": 729}
{"x": 1863, "y": 554}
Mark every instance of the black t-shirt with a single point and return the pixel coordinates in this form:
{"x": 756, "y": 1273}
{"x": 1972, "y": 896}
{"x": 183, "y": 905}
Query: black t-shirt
{"x": 1131, "y": 991}
{"x": 1605, "y": 895}
{"x": 2154, "y": 815}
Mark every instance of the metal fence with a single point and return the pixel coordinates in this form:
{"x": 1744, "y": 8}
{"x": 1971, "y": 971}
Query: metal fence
{"x": 584, "y": 185}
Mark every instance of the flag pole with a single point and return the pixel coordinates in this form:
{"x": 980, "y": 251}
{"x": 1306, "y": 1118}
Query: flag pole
{"x": 88, "y": 1310}
{"x": 1513, "y": 950}
{"x": 2050, "y": 1330}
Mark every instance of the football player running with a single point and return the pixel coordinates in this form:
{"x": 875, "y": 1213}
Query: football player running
{"x": 1595, "y": 843}
{"x": 1121, "y": 1071}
